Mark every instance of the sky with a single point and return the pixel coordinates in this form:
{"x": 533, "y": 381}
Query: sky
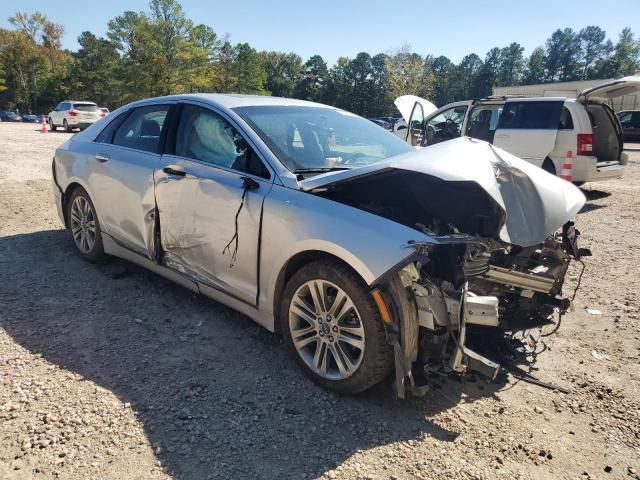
{"x": 333, "y": 28}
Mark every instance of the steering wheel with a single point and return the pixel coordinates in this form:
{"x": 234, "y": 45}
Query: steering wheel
{"x": 451, "y": 126}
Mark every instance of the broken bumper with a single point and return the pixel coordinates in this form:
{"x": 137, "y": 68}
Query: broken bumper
{"x": 502, "y": 289}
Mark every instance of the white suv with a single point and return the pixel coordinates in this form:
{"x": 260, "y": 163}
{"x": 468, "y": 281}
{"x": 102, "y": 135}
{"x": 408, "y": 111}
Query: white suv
{"x": 542, "y": 130}
{"x": 72, "y": 114}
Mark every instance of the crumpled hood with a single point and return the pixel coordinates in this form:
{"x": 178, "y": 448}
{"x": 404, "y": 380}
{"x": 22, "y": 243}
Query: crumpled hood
{"x": 536, "y": 203}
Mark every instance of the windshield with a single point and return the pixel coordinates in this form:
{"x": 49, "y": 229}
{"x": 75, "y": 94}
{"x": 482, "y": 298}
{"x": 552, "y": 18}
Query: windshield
{"x": 317, "y": 138}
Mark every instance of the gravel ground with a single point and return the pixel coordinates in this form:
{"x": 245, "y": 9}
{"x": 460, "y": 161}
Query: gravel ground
{"x": 110, "y": 372}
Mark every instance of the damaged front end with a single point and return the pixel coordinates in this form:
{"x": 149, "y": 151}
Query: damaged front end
{"x": 462, "y": 283}
{"x": 499, "y": 240}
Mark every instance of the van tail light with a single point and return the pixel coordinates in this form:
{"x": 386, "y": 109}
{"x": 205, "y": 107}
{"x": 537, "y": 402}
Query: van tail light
{"x": 585, "y": 144}
{"x": 73, "y": 113}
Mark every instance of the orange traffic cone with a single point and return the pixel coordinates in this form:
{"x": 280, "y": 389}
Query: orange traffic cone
{"x": 43, "y": 129}
{"x": 567, "y": 169}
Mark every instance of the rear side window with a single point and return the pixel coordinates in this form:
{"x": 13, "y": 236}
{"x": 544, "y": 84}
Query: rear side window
{"x": 85, "y": 107}
{"x": 531, "y": 115}
{"x": 142, "y": 129}
{"x": 566, "y": 121}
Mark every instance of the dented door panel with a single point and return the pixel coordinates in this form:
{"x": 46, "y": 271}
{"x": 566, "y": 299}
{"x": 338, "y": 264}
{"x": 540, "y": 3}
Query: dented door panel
{"x": 197, "y": 215}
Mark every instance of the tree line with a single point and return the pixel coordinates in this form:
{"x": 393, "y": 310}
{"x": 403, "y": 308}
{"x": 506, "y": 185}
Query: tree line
{"x": 161, "y": 51}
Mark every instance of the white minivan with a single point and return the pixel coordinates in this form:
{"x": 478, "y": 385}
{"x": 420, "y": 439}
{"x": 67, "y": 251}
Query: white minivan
{"x": 542, "y": 130}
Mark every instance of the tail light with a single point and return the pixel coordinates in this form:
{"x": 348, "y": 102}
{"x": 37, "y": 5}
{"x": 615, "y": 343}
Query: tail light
{"x": 585, "y": 144}
{"x": 73, "y": 113}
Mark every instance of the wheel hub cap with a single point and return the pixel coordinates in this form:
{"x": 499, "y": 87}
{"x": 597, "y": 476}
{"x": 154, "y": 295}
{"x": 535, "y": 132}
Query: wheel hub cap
{"x": 326, "y": 329}
{"x": 83, "y": 224}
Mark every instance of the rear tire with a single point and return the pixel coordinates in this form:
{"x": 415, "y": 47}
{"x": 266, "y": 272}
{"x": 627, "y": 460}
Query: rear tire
{"x": 84, "y": 226}
{"x": 340, "y": 341}
{"x": 52, "y": 127}
{"x": 549, "y": 167}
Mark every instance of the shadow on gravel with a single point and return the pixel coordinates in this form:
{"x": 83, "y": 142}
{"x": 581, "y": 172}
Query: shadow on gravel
{"x": 218, "y": 395}
{"x": 593, "y": 195}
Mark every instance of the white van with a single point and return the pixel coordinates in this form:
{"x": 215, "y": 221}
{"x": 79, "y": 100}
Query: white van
{"x": 541, "y": 130}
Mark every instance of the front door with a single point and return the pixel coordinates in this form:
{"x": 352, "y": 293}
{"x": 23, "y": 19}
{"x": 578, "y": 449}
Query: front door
{"x": 528, "y": 128}
{"x": 446, "y": 125}
{"x": 209, "y": 191}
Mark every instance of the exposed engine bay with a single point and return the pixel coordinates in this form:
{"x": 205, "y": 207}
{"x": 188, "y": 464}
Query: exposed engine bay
{"x": 466, "y": 278}
{"x": 466, "y": 284}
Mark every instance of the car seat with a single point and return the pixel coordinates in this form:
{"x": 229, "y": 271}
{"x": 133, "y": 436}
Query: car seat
{"x": 481, "y": 126}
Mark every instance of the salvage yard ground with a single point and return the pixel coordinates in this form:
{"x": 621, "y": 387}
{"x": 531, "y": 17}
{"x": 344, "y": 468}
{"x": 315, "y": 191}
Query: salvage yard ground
{"x": 111, "y": 372}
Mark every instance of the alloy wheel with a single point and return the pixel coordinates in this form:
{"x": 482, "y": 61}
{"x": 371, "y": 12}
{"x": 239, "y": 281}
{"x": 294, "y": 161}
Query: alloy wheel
{"x": 83, "y": 224}
{"x": 326, "y": 329}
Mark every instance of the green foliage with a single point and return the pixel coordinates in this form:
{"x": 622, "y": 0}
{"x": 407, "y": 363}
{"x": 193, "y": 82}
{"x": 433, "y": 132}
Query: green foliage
{"x": 621, "y": 60}
{"x": 314, "y": 84}
{"x": 283, "y": 72}
{"x": 535, "y": 67}
{"x": 161, "y": 51}
{"x": 32, "y": 61}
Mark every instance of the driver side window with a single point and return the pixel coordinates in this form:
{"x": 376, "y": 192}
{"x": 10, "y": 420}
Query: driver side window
{"x": 205, "y": 136}
{"x": 446, "y": 125}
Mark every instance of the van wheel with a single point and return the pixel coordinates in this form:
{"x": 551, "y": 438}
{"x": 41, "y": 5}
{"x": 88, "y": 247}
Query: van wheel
{"x": 549, "y": 167}
{"x": 333, "y": 329}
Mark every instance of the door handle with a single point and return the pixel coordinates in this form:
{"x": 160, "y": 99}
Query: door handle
{"x": 102, "y": 157}
{"x": 174, "y": 170}
{"x": 249, "y": 183}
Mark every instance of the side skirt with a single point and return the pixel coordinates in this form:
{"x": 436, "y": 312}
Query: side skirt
{"x": 112, "y": 247}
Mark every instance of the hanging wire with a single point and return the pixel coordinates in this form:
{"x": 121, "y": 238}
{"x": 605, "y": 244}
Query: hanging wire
{"x": 235, "y": 237}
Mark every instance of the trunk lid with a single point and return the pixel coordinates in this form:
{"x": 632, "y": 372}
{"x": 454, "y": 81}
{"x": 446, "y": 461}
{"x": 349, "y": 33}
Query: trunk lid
{"x": 608, "y": 90}
{"x": 535, "y": 203}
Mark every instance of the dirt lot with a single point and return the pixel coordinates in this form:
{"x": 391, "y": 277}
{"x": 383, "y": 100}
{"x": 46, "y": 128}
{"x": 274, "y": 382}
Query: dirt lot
{"x": 111, "y": 372}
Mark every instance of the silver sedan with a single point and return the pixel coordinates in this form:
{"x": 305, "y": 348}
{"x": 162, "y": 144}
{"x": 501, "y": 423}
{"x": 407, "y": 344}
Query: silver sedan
{"x": 370, "y": 257}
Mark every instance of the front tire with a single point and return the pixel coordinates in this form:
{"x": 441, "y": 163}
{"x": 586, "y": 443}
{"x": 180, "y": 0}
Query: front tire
{"x": 52, "y": 127}
{"x": 84, "y": 226}
{"x": 333, "y": 329}
{"x": 66, "y": 126}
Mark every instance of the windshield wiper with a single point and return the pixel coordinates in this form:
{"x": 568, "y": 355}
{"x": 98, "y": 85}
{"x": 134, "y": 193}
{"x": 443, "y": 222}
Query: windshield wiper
{"x": 320, "y": 169}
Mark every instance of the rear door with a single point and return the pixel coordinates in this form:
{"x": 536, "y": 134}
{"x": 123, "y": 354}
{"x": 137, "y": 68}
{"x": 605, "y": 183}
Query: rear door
{"x": 125, "y": 156}
{"x": 528, "y": 128}
{"x": 210, "y": 187}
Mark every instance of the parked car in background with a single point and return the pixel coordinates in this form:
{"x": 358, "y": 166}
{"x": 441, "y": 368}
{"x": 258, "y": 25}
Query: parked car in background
{"x": 104, "y": 110}
{"x": 28, "y": 118}
{"x": 361, "y": 250}
{"x": 630, "y": 123}
{"x": 381, "y": 123}
{"x": 10, "y": 117}
{"x": 74, "y": 114}
{"x": 541, "y": 130}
